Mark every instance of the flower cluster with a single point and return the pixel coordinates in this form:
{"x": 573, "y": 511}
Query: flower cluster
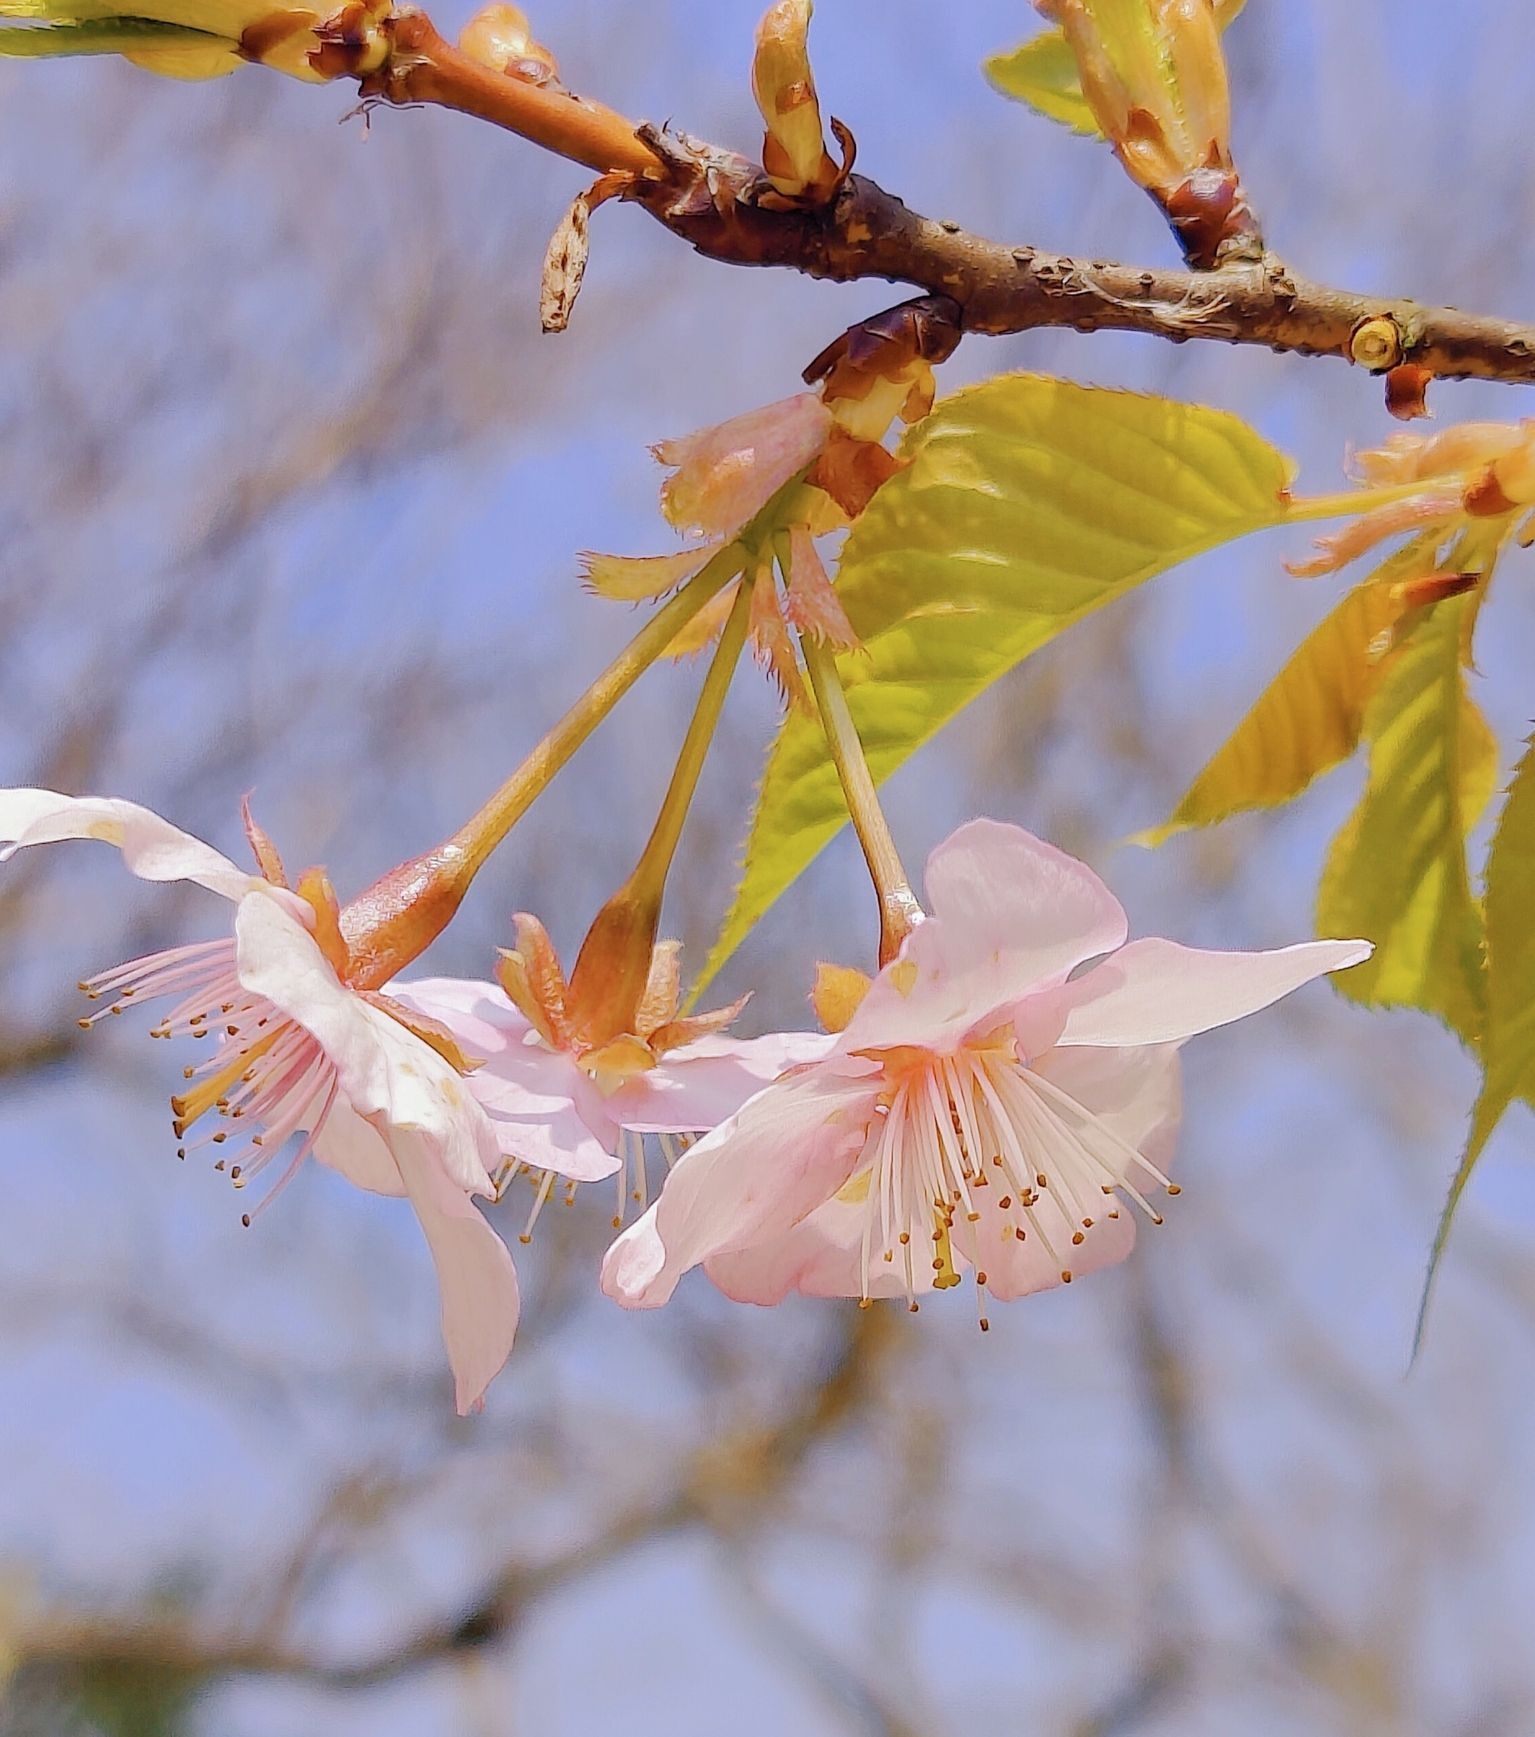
{"x": 1000, "y": 1098}
{"x": 984, "y": 1105}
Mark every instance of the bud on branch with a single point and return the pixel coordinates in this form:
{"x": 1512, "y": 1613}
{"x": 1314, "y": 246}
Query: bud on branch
{"x": 1154, "y": 74}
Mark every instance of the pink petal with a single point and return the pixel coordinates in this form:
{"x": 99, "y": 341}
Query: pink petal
{"x": 752, "y": 1180}
{"x": 1133, "y": 1093}
{"x": 558, "y": 1139}
{"x": 820, "y": 1257}
{"x": 1155, "y": 991}
{"x": 1136, "y": 1093}
{"x": 479, "y": 1014}
{"x": 387, "y": 1074}
{"x": 1016, "y": 1269}
{"x": 475, "y": 1274}
{"x": 725, "y": 475}
{"x": 543, "y": 1109}
{"x": 1011, "y": 917}
{"x": 357, "y": 1150}
{"x": 152, "y": 848}
{"x": 699, "y": 1086}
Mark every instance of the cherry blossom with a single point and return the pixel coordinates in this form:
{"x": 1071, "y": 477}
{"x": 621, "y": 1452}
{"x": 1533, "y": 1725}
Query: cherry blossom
{"x": 569, "y": 1099}
{"x": 303, "y": 1049}
{"x": 990, "y": 1104}
{"x": 1475, "y": 476}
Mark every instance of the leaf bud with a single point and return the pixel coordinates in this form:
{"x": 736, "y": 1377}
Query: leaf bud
{"x": 794, "y": 152}
{"x": 1376, "y": 344}
{"x": 1153, "y": 72}
{"x": 500, "y": 37}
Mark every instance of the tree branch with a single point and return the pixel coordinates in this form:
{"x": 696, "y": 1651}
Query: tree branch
{"x": 734, "y": 1476}
{"x": 719, "y": 202}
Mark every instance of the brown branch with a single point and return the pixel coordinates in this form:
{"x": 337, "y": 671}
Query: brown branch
{"x": 424, "y": 68}
{"x": 739, "y": 1472}
{"x": 713, "y": 199}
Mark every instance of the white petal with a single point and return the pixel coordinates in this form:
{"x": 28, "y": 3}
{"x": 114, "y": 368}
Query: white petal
{"x": 1136, "y": 1093}
{"x": 1011, "y": 917}
{"x": 753, "y": 1179}
{"x": 698, "y": 1086}
{"x": 1155, "y": 991}
{"x": 475, "y": 1273}
{"x": 152, "y": 848}
{"x": 356, "y": 1150}
{"x": 388, "y": 1075}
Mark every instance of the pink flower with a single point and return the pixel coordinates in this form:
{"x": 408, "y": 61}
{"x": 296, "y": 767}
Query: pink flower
{"x": 301, "y": 1049}
{"x": 723, "y": 479}
{"x": 1464, "y": 474}
{"x": 725, "y": 475}
{"x": 983, "y": 1106}
{"x": 566, "y": 1102}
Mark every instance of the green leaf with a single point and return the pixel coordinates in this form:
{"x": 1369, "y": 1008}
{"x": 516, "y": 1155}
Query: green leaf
{"x": 1397, "y": 874}
{"x": 1043, "y": 74}
{"x": 1043, "y": 71}
{"x": 99, "y": 36}
{"x": 1309, "y": 717}
{"x": 1508, "y": 1041}
{"x": 1509, "y": 1044}
{"x": 1029, "y": 502}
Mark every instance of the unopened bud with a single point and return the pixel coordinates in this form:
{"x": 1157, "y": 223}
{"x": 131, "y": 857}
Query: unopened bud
{"x": 794, "y": 151}
{"x": 1153, "y": 72}
{"x": 501, "y": 38}
{"x": 882, "y": 368}
{"x": 726, "y": 474}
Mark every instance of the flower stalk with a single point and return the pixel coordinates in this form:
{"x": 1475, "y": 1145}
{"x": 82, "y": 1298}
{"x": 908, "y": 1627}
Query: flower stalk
{"x": 393, "y": 922}
{"x": 481, "y": 834}
{"x": 613, "y": 967}
{"x": 424, "y": 68}
{"x": 899, "y": 911}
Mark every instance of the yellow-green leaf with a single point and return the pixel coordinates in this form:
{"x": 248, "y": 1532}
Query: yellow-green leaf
{"x": 1309, "y": 717}
{"x": 185, "y": 52}
{"x": 1397, "y": 874}
{"x": 1508, "y": 1040}
{"x": 1028, "y": 503}
{"x": 1043, "y": 74}
{"x": 178, "y": 38}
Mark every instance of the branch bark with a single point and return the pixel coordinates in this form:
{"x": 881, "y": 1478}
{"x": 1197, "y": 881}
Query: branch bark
{"x": 719, "y": 203}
